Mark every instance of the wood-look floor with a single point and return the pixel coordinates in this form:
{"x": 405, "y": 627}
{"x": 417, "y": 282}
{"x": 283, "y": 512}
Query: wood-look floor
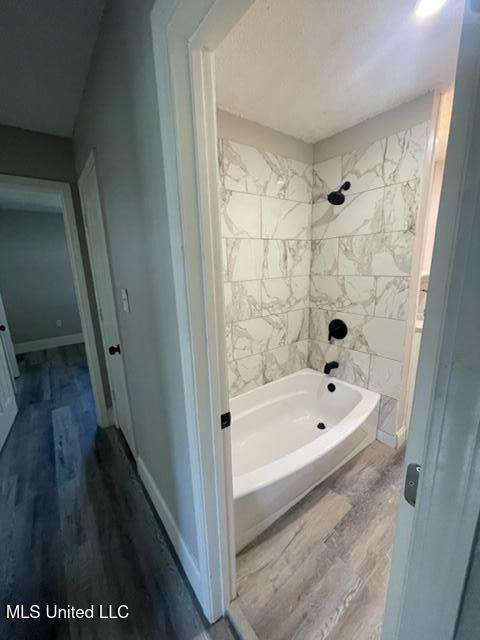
{"x": 321, "y": 571}
{"x": 76, "y": 525}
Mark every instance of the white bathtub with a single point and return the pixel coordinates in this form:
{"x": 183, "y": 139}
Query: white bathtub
{"x": 279, "y": 454}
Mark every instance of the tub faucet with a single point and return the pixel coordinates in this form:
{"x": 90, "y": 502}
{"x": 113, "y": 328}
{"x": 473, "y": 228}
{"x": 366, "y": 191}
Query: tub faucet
{"x": 329, "y": 366}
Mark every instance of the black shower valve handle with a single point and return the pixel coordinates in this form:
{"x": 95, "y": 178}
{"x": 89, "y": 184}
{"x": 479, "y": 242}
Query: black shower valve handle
{"x": 337, "y": 329}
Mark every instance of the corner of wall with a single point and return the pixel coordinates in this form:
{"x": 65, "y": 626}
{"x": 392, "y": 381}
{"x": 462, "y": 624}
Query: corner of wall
{"x": 237, "y": 129}
{"x": 181, "y": 547}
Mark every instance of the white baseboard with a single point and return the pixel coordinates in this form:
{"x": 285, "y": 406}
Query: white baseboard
{"x": 183, "y": 552}
{"x": 393, "y": 441}
{"x": 387, "y": 438}
{"x": 48, "y": 343}
{"x": 401, "y": 436}
{"x": 240, "y": 621}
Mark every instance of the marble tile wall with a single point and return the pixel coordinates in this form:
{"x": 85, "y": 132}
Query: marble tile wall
{"x": 361, "y": 263}
{"x": 292, "y": 262}
{"x": 266, "y": 221}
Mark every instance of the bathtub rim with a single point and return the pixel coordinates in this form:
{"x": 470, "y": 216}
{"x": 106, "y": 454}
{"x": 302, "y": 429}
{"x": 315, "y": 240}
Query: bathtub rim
{"x": 272, "y": 472}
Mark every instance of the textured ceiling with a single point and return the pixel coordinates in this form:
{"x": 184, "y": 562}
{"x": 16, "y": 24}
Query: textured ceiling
{"x": 12, "y": 199}
{"x": 311, "y": 68}
{"x": 45, "y": 49}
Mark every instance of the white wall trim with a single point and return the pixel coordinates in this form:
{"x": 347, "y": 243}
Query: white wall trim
{"x": 48, "y": 343}
{"x": 168, "y": 521}
{"x": 160, "y": 21}
{"x": 240, "y": 621}
{"x": 187, "y": 124}
{"x": 83, "y": 301}
{"x": 387, "y": 438}
{"x": 184, "y": 33}
{"x": 401, "y": 436}
{"x": 434, "y": 541}
{"x": 103, "y": 289}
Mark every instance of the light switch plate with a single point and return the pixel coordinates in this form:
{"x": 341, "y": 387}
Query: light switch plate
{"x": 125, "y": 300}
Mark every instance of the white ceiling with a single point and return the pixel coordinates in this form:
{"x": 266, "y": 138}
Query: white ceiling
{"x": 15, "y": 199}
{"x": 45, "y": 50}
{"x": 312, "y": 68}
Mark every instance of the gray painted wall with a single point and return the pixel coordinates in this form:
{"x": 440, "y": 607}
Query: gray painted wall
{"x": 231, "y": 127}
{"x": 400, "y": 118}
{"x": 405, "y": 116}
{"x": 119, "y": 118}
{"x": 39, "y": 155}
{"x": 35, "y": 276}
{"x": 36, "y": 155}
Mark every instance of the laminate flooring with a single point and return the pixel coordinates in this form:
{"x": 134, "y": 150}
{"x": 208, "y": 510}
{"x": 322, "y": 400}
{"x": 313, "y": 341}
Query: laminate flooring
{"x": 76, "y": 525}
{"x": 321, "y": 571}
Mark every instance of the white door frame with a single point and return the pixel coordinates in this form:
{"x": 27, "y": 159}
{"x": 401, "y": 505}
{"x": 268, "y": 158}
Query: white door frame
{"x": 6, "y": 338}
{"x": 8, "y": 408}
{"x": 185, "y": 32}
{"x": 186, "y": 99}
{"x": 62, "y": 190}
{"x": 433, "y": 542}
{"x": 100, "y": 262}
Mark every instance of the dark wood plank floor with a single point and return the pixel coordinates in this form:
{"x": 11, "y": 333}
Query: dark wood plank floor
{"x": 76, "y": 525}
{"x": 321, "y": 571}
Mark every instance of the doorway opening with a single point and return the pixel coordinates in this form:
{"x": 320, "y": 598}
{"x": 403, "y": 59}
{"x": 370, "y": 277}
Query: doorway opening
{"x": 292, "y": 263}
{"x": 45, "y": 297}
{"x": 68, "y": 298}
{"x": 327, "y": 219}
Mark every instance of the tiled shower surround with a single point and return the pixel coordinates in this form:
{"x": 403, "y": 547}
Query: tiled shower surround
{"x": 293, "y": 262}
{"x": 266, "y": 228}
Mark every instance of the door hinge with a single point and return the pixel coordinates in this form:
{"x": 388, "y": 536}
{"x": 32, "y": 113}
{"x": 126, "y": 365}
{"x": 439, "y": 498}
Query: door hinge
{"x": 226, "y": 419}
{"x": 411, "y": 483}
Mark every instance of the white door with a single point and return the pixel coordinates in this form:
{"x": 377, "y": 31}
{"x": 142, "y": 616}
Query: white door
{"x": 8, "y": 403}
{"x": 6, "y": 338}
{"x": 434, "y": 538}
{"x": 100, "y": 263}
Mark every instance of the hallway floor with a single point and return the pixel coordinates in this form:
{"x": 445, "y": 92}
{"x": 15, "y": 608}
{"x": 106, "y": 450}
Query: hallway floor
{"x": 321, "y": 571}
{"x": 76, "y": 525}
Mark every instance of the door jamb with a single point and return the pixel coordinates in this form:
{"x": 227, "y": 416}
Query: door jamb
{"x": 64, "y": 193}
{"x": 184, "y": 33}
{"x": 433, "y": 542}
{"x": 90, "y": 165}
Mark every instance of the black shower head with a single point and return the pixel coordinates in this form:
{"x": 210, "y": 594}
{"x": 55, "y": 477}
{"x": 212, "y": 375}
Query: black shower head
{"x": 337, "y": 197}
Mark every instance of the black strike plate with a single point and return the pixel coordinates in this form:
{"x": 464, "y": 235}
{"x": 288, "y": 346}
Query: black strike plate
{"x": 411, "y": 483}
{"x": 226, "y": 420}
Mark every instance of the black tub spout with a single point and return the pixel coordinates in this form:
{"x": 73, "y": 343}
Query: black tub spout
{"x": 329, "y": 366}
